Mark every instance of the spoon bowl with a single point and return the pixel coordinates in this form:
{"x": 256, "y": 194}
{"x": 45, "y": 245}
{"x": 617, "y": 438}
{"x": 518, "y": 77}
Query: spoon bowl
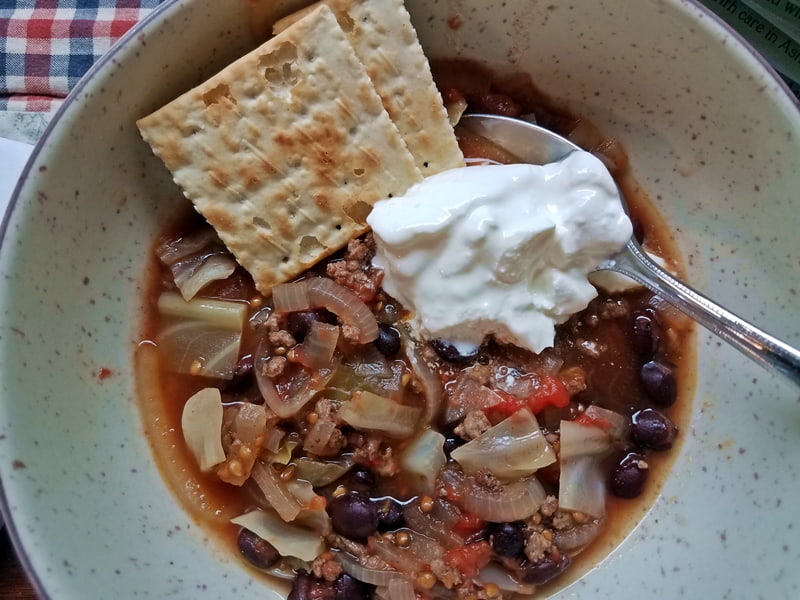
{"x": 536, "y": 145}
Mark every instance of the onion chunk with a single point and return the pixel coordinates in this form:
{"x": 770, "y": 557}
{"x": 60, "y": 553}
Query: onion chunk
{"x": 290, "y": 297}
{"x": 379, "y": 577}
{"x": 289, "y": 540}
{"x": 196, "y": 261}
{"x": 513, "y": 448}
{"x": 201, "y": 423}
{"x": 345, "y": 304}
{"x": 277, "y": 495}
{"x": 249, "y": 434}
{"x": 200, "y": 337}
{"x": 295, "y": 390}
{"x": 369, "y": 411}
{"x": 583, "y": 447}
{"x": 423, "y": 458}
{"x": 514, "y": 502}
{"x": 317, "y": 349}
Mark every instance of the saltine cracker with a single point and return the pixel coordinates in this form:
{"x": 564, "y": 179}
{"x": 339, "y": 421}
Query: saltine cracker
{"x": 285, "y": 151}
{"x": 385, "y": 41}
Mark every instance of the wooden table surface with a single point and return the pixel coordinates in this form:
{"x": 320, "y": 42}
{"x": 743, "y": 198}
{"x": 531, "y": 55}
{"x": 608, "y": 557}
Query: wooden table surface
{"x": 14, "y": 583}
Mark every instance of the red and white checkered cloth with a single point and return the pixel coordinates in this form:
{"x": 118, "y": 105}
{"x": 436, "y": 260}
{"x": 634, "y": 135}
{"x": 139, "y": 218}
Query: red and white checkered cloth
{"x": 47, "y": 45}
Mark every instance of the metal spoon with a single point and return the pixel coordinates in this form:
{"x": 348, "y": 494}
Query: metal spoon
{"x": 536, "y": 145}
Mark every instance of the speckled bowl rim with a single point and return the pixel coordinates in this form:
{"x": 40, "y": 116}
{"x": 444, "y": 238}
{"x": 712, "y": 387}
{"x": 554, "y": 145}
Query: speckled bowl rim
{"x": 97, "y": 70}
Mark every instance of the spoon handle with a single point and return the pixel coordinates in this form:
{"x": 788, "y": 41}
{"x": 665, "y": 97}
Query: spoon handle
{"x": 763, "y": 348}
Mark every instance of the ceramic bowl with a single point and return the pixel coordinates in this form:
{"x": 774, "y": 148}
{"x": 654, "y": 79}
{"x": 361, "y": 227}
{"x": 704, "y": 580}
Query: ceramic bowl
{"x": 713, "y": 136}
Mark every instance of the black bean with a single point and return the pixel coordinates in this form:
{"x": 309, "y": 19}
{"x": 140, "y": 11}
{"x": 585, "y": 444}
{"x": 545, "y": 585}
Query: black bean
{"x": 452, "y": 442}
{"x": 301, "y": 587}
{"x": 258, "y": 551}
{"x": 361, "y": 479}
{"x": 349, "y": 588}
{"x": 307, "y": 587}
{"x": 646, "y": 333}
{"x": 388, "y": 340}
{"x": 355, "y": 439}
{"x": 508, "y": 539}
{"x": 299, "y": 323}
{"x": 390, "y": 514}
{"x": 652, "y": 429}
{"x": 242, "y": 380}
{"x": 353, "y": 515}
{"x": 543, "y": 571}
{"x": 659, "y": 382}
{"x": 390, "y": 313}
{"x": 244, "y": 367}
{"x": 629, "y": 476}
{"x": 447, "y": 351}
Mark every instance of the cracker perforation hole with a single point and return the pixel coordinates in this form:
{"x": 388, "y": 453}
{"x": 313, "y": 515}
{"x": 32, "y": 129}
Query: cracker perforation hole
{"x": 358, "y": 211}
{"x": 261, "y": 223}
{"x": 277, "y": 65}
{"x": 289, "y": 76}
{"x": 215, "y": 95}
{"x": 273, "y": 76}
{"x": 310, "y": 248}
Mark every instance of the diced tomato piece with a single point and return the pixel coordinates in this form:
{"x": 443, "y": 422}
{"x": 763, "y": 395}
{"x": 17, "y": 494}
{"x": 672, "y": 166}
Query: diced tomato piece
{"x": 468, "y": 524}
{"x": 550, "y": 391}
{"x": 509, "y": 405}
{"x": 469, "y": 559}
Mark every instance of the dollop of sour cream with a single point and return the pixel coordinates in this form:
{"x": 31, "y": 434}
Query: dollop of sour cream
{"x": 499, "y": 249}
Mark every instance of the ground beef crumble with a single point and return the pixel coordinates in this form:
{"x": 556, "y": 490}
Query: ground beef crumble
{"x": 355, "y": 271}
{"x": 481, "y": 374}
{"x": 613, "y": 309}
{"x": 449, "y": 576}
{"x": 474, "y": 424}
{"x": 342, "y": 543}
{"x": 574, "y": 379}
{"x": 376, "y": 455}
{"x": 562, "y": 520}
{"x": 487, "y": 480}
{"x": 278, "y": 336}
{"x": 326, "y": 422}
{"x": 549, "y": 506}
{"x": 471, "y": 592}
{"x": 327, "y": 410}
{"x": 326, "y": 567}
{"x": 274, "y": 367}
{"x": 350, "y": 332}
{"x": 538, "y": 544}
